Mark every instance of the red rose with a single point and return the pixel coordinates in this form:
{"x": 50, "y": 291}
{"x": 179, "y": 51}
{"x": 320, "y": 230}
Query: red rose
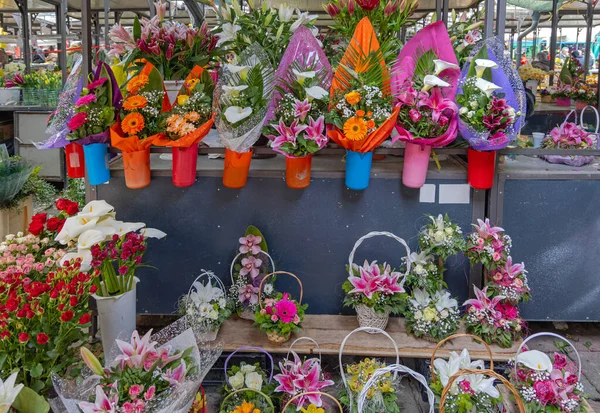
{"x": 42, "y": 338}
{"x": 61, "y": 204}
{"x": 66, "y": 316}
{"x": 5, "y": 334}
{"x": 53, "y": 224}
{"x": 61, "y": 307}
{"x": 54, "y": 294}
{"x": 84, "y": 319}
{"x": 36, "y": 227}
{"x": 93, "y": 289}
{"x": 41, "y": 217}
{"x": 11, "y": 305}
{"x": 23, "y": 337}
{"x": 73, "y": 301}
{"x": 72, "y": 208}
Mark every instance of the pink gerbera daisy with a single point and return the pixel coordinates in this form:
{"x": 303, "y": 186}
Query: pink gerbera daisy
{"x": 85, "y": 100}
{"x": 97, "y": 83}
{"x": 77, "y": 121}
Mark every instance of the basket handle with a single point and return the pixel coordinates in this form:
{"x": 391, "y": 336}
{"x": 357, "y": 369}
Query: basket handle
{"x": 375, "y": 234}
{"x": 289, "y": 403}
{"x": 211, "y": 276}
{"x": 572, "y": 112}
{"x": 305, "y": 339}
{"x": 267, "y": 398}
{"x": 548, "y": 334}
{"x": 395, "y": 368}
{"x": 262, "y": 350}
{"x": 487, "y": 372}
{"x": 262, "y": 282}
{"x": 597, "y": 117}
{"x": 371, "y": 330}
{"x": 231, "y": 267}
{"x": 441, "y": 343}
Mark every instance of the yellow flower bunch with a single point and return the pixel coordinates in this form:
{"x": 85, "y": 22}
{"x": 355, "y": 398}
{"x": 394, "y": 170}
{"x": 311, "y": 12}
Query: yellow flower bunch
{"x": 528, "y": 72}
{"x": 362, "y": 372}
{"x": 312, "y": 409}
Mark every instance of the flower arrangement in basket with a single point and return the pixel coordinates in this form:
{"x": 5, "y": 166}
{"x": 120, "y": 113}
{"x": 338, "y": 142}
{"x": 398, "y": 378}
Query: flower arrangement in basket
{"x": 488, "y": 245}
{"x": 327, "y": 400}
{"x": 423, "y": 85}
{"x": 585, "y": 95}
{"x": 424, "y": 273}
{"x": 442, "y": 238}
{"x": 545, "y": 384}
{"x": 248, "y": 269}
{"x": 375, "y": 290}
{"x": 281, "y": 316}
{"x": 207, "y": 305}
{"x": 469, "y": 392}
{"x": 510, "y": 281}
{"x": 361, "y": 109}
{"x": 298, "y": 107}
{"x": 356, "y": 376}
{"x": 432, "y": 317}
{"x": 248, "y": 386}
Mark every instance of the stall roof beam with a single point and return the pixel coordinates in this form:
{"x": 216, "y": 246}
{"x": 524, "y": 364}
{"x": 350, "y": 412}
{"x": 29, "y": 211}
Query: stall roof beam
{"x": 22, "y": 5}
{"x": 553, "y": 40}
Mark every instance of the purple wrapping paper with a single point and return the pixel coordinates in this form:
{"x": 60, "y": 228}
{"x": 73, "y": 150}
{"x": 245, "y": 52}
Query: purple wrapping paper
{"x": 577, "y": 160}
{"x": 303, "y": 47}
{"x": 102, "y": 137}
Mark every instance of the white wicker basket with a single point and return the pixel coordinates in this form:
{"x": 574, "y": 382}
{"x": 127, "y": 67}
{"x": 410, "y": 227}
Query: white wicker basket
{"x": 204, "y": 334}
{"x": 247, "y": 314}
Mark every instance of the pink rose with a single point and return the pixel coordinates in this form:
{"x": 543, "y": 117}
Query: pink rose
{"x": 274, "y": 317}
{"x": 128, "y": 407}
{"x": 496, "y": 256}
{"x": 480, "y": 241}
{"x": 497, "y": 276}
{"x": 135, "y": 390}
{"x": 415, "y": 115}
{"x": 543, "y": 391}
{"x": 560, "y": 361}
{"x": 518, "y": 283}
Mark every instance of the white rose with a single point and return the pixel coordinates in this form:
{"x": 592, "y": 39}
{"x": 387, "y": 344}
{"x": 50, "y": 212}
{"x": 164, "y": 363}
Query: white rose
{"x": 474, "y": 104}
{"x": 470, "y": 114}
{"x": 463, "y": 110}
{"x": 10, "y": 237}
{"x": 19, "y": 234}
{"x": 237, "y": 380}
{"x": 418, "y": 315}
{"x": 449, "y": 230}
{"x": 439, "y": 236}
{"x": 213, "y": 315}
{"x": 222, "y": 302}
{"x": 248, "y": 368}
{"x": 418, "y": 268}
{"x": 444, "y": 313}
{"x": 254, "y": 381}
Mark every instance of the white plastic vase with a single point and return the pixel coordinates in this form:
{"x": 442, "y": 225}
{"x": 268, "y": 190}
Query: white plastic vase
{"x": 172, "y": 87}
{"x": 532, "y": 85}
{"x": 117, "y": 320}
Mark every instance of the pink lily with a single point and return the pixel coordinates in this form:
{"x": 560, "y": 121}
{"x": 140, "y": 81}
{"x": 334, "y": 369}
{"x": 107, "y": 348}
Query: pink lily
{"x": 482, "y": 302}
{"x": 312, "y": 383}
{"x": 174, "y": 377}
{"x": 369, "y": 280}
{"x": 315, "y": 131}
{"x": 102, "y": 404}
{"x": 485, "y": 229}
{"x": 390, "y": 284}
{"x": 135, "y": 352}
{"x": 301, "y": 109}
{"x": 438, "y": 104}
{"x": 250, "y": 265}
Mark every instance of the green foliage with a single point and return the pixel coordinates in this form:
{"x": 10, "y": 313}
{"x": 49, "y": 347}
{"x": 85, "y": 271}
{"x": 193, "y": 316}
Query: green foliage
{"x": 42, "y": 191}
{"x": 423, "y": 67}
{"x": 28, "y": 401}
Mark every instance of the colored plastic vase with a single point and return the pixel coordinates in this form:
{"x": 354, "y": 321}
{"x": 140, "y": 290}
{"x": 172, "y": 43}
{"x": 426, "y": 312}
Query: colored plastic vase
{"x": 563, "y": 101}
{"x": 237, "y": 166}
{"x": 297, "y": 172}
{"x": 136, "y": 166}
{"x": 75, "y": 160}
{"x": 96, "y": 163}
{"x": 416, "y": 162}
{"x": 481, "y": 168}
{"x": 358, "y": 169}
{"x": 184, "y": 165}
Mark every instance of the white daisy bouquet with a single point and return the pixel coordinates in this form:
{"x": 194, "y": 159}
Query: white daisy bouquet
{"x": 433, "y": 317}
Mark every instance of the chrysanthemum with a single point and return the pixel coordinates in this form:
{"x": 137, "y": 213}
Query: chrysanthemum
{"x": 135, "y": 102}
{"x": 85, "y": 100}
{"x": 133, "y": 123}
{"x": 136, "y": 83}
{"x": 355, "y": 128}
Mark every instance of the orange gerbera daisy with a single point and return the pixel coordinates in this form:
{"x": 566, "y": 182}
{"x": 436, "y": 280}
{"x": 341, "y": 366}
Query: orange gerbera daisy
{"x": 135, "y": 102}
{"x": 355, "y": 128}
{"x": 245, "y": 407}
{"x": 136, "y": 83}
{"x": 133, "y": 123}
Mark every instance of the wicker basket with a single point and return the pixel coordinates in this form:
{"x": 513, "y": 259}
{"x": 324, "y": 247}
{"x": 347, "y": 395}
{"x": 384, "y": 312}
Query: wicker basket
{"x": 367, "y": 316}
{"x": 204, "y": 335}
{"x": 274, "y": 337}
{"x": 246, "y": 314}
{"x": 441, "y": 343}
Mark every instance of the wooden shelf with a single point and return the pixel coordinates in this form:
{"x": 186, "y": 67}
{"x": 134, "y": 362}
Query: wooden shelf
{"x": 330, "y": 330}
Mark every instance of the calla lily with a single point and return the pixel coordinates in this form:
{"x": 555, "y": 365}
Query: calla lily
{"x": 486, "y": 87}
{"x": 234, "y": 91}
{"x": 153, "y": 233}
{"x": 234, "y": 114}
{"x": 96, "y": 209}
{"x": 441, "y": 65}
{"x": 91, "y": 361}
{"x": 90, "y": 238}
{"x": 112, "y": 226}
{"x": 316, "y": 92}
{"x": 74, "y": 226}
{"x": 482, "y": 64}
{"x": 9, "y": 392}
{"x": 301, "y": 76}
{"x": 432, "y": 81}
{"x": 242, "y": 70}
{"x": 535, "y": 360}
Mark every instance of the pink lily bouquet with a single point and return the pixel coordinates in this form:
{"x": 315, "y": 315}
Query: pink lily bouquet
{"x": 510, "y": 280}
{"x": 298, "y": 377}
{"x": 488, "y": 245}
{"x": 280, "y": 317}
{"x": 569, "y": 135}
{"x": 494, "y": 319}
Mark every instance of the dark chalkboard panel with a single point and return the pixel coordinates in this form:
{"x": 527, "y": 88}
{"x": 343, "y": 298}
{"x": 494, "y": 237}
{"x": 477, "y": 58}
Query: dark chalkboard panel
{"x": 310, "y": 232}
{"x": 555, "y": 226}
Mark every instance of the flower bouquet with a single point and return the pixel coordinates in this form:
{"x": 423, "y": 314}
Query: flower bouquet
{"x": 281, "y": 316}
{"x": 487, "y": 245}
{"x": 432, "y": 317}
{"x": 465, "y": 33}
{"x": 532, "y": 76}
{"x": 510, "y": 280}
{"x": 241, "y": 101}
{"x": 114, "y": 250}
{"x": 140, "y": 124}
{"x": 424, "y": 273}
{"x": 299, "y": 105}
{"x": 207, "y": 305}
{"x": 548, "y": 385}
{"x": 248, "y": 268}
{"x": 154, "y": 374}
{"x": 375, "y": 290}
{"x": 95, "y": 111}
{"x": 494, "y": 318}
{"x": 568, "y": 81}
{"x": 584, "y": 96}
{"x": 442, "y": 238}
{"x": 562, "y": 93}
{"x": 188, "y": 122}
{"x": 248, "y": 386}
{"x": 327, "y": 400}
{"x": 361, "y": 109}
{"x": 547, "y": 96}
{"x": 570, "y": 135}
{"x": 424, "y": 85}
{"x": 492, "y": 106}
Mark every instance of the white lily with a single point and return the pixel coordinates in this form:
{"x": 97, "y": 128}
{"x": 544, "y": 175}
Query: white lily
{"x": 234, "y": 114}
{"x": 465, "y": 360}
{"x": 486, "y": 87}
{"x": 228, "y": 33}
{"x": 443, "y": 301}
{"x": 242, "y": 70}
{"x": 441, "y": 65}
{"x": 481, "y": 384}
{"x": 85, "y": 255}
{"x": 89, "y": 238}
{"x": 446, "y": 369}
{"x": 420, "y": 298}
{"x": 438, "y": 222}
{"x": 535, "y": 360}
{"x": 419, "y": 258}
{"x": 225, "y": 11}
{"x": 204, "y": 294}
{"x": 153, "y": 233}
{"x": 285, "y": 12}
{"x": 432, "y": 81}
{"x": 74, "y": 226}
{"x": 9, "y": 392}
{"x": 482, "y": 64}
{"x": 302, "y": 19}
{"x": 302, "y": 76}
{"x": 316, "y": 92}
{"x": 234, "y": 91}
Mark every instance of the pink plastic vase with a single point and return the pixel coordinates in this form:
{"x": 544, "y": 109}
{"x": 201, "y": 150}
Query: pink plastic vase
{"x": 416, "y": 162}
{"x": 563, "y": 101}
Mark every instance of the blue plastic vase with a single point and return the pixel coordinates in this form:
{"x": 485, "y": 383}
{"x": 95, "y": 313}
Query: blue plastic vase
{"x": 96, "y": 163}
{"x": 358, "y": 169}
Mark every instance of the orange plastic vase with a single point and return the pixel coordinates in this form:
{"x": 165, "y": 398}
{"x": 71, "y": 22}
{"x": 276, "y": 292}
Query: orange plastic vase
{"x": 137, "y": 168}
{"x": 297, "y": 172}
{"x": 237, "y": 165}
